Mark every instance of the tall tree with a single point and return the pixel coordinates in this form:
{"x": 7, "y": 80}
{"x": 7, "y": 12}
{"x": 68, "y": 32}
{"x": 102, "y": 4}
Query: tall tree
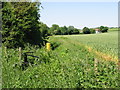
{"x": 54, "y": 29}
{"x": 70, "y": 29}
{"x": 103, "y": 29}
{"x": 86, "y": 30}
{"x": 64, "y": 30}
{"x": 20, "y": 24}
{"x": 75, "y": 31}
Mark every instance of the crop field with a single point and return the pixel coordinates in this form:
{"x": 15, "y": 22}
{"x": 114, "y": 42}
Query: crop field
{"x": 75, "y": 61}
{"x": 106, "y": 43}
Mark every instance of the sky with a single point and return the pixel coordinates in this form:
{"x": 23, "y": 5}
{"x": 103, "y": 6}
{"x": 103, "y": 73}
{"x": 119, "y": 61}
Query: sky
{"x": 80, "y": 14}
{"x": 78, "y": 0}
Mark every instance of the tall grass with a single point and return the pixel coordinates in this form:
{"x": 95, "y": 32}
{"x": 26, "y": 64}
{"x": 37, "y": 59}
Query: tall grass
{"x": 67, "y": 66}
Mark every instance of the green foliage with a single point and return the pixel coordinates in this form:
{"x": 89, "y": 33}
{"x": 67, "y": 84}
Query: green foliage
{"x": 9, "y": 31}
{"x": 70, "y": 65}
{"x": 54, "y": 45}
{"x": 44, "y": 30}
{"x": 75, "y": 31}
{"x": 103, "y": 29}
{"x": 56, "y": 30}
{"x": 20, "y": 24}
{"x": 92, "y": 30}
{"x": 70, "y": 30}
{"x": 86, "y": 30}
{"x": 64, "y": 30}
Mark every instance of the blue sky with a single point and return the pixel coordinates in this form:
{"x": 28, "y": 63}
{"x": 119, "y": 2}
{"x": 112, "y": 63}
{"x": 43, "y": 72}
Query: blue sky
{"x": 80, "y": 14}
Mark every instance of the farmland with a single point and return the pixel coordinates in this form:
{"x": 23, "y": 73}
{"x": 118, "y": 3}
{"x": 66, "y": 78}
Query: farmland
{"x": 99, "y": 42}
{"x": 71, "y": 64}
{"x": 36, "y": 55}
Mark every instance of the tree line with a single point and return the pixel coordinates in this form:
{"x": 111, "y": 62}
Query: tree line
{"x": 56, "y": 30}
{"x": 101, "y": 29}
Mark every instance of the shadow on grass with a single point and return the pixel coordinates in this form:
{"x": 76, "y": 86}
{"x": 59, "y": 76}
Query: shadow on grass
{"x": 54, "y": 45}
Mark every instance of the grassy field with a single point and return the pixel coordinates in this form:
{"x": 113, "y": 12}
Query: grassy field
{"x": 113, "y": 29}
{"x": 106, "y": 43}
{"x": 74, "y": 62}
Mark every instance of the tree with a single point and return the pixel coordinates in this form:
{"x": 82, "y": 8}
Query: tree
{"x": 103, "y": 29}
{"x": 70, "y": 30}
{"x": 64, "y": 30}
{"x": 92, "y": 30}
{"x": 86, "y": 30}
{"x": 20, "y": 24}
{"x": 75, "y": 31}
{"x": 9, "y": 33}
{"x": 58, "y": 32}
{"x": 54, "y": 30}
{"x": 44, "y": 30}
